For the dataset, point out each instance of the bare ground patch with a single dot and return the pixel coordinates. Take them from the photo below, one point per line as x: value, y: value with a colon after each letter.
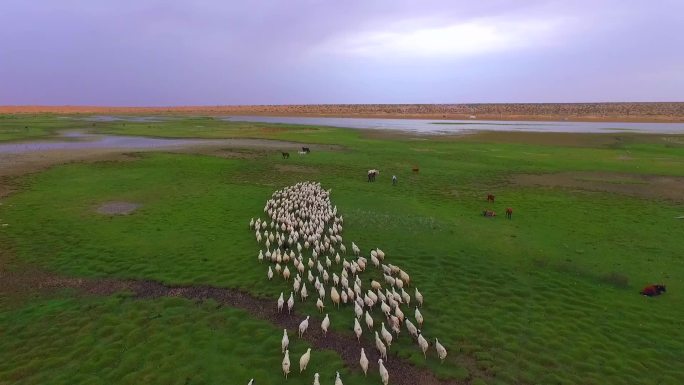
x: 642, y: 186
x: 117, y: 208
x: 296, y: 169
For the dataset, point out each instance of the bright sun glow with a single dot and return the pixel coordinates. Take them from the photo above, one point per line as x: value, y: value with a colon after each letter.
x: 463, y: 39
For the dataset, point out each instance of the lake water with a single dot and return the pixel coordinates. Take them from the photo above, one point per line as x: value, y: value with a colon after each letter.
x: 460, y: 126
x: 78, y: 140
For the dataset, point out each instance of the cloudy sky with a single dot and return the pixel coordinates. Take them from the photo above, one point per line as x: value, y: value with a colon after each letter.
x: 166, y: 52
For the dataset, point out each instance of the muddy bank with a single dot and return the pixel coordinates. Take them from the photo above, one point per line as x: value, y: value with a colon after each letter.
x: 642, y: 186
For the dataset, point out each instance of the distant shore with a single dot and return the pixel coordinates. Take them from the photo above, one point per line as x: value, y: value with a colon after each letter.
x: 658, y: 112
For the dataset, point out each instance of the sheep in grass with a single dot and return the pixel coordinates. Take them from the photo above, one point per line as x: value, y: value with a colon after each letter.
x: 369, y: 321
x: 384, y: 374
x: 419, y: 297
x: 357, y: 330
x: 419, y: 318
x: 325, y: 324
x: 304, y: 293
x: 303, y: 326
x: 286, y: 363
x: 335, y: 296
x: 338, y: 380
x: 358, y: 310
x: 319, y: 305
x: 290, y: 303
x: 423, y: 344
x: 285, y: 342
x: 364, y: 362
x: 413, y: 331
x: 304, y: 360
x: 281, y: 302
x: 316, y: 379
x: 386, y: 335
x: 441, y: 351
x: 380, y: 346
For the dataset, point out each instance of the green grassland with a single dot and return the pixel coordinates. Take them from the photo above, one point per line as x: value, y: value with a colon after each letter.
x: 550, y: 297
x: 119, y: 340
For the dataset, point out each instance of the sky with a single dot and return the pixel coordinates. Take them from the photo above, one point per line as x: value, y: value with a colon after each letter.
x: 220, y: 52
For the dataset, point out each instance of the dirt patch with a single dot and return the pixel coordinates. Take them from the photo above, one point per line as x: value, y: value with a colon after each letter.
x: 642, y: 186
x: 117, y: 208
x: 567, y: 139
x: 296, y: 169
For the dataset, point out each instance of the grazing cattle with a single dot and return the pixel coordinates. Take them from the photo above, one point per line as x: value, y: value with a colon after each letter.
x: 306, y: 149
x: 509, y: 213
x: 653, y: 290
x: 490, y: 198
x: 286, y: 155
x: 372, y: 174
x: 488, y: 213
x: 394, y: 180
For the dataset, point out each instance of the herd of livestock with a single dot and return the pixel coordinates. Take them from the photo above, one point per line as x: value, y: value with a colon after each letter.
x: 301, y: 240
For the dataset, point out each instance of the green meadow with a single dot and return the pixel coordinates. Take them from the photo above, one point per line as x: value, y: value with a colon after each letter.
x: 549, y: 297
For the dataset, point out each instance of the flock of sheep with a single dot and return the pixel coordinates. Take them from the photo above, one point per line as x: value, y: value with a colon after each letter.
x: 302, y: 227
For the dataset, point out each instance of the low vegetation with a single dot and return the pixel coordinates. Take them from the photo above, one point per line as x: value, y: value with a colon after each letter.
x: 550, y: 296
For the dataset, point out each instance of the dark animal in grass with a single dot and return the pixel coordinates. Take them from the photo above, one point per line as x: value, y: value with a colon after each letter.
x: 653, y: 290
x: 286, y: 155
x: 509, y: 213
x: 488, y: 213
x: 490, y: 198
x: 372, y: 174
x: 306, y: 149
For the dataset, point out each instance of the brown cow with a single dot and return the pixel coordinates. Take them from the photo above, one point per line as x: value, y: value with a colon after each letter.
x: 509, y: 213
x: 490, y: 198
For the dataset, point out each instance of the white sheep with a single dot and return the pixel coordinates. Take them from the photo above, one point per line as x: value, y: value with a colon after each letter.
x: 358, y: 311
x: 419, y: 297
x: 380, y: 346
x: 319, y: 305
x: 369, y: 321
x: 441, y: 351
x: 325, y: 324
x: 285, y: 342
x: 316, y: 379
x: 303, y: 326
x: 304, y: 360
x: 384, y: 374
x: 422, y: 342
x: 281, y: 302
x: 413, y: 331
x: 387, y: 336
x: 290, y: 303
x: 335, y: 296
x: 286, y: 363
x: 357, y: 329
x: 364, y: 362
x: 303, y: 292
x: 338, y: 380
x: 269, y: 274
x: 419, y: 318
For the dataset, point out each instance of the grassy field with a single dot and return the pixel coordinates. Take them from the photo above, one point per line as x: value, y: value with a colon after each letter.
x: 118, y: 340
x: 550, y: 297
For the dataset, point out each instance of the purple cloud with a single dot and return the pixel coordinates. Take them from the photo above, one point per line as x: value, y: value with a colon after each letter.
x: 155, y: 52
